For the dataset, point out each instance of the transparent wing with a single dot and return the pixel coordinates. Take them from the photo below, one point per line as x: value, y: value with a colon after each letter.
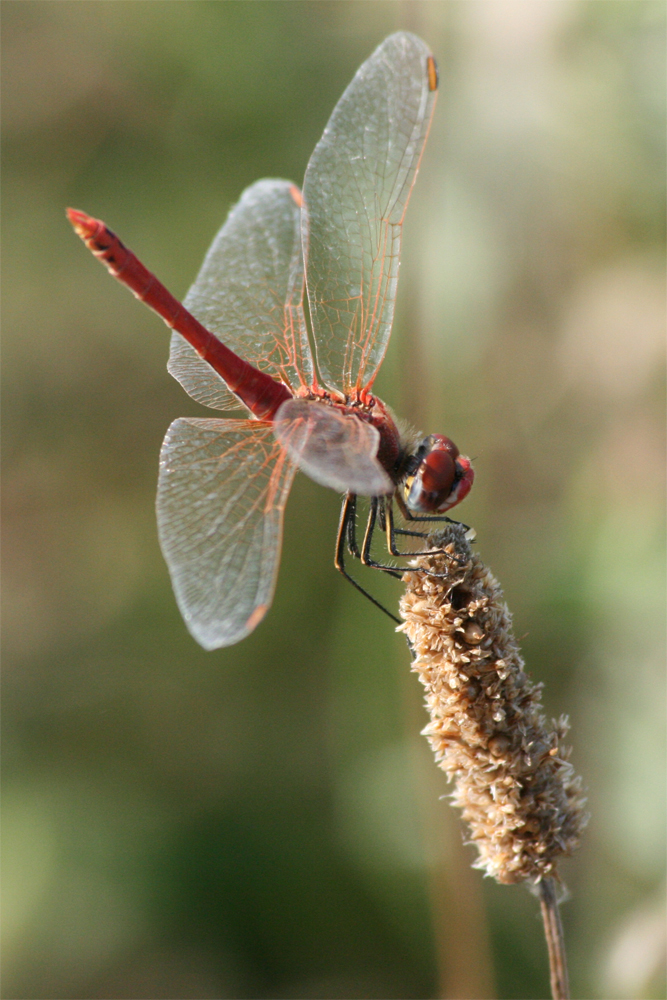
x: 222, y: 490
x: 249, y: 293
x: 335, y: 449
x: 356, y: 190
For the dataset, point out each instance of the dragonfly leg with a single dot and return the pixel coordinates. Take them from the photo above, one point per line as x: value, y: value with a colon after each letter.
x: 351, y: 532
x: 386, y: 520
x: 423, y: 518
x: 381, y: 510
x: 345, y: 535
x: 411, y: 534
x: 391, y: 531
x: 437, y: 518
x: 376, y: 512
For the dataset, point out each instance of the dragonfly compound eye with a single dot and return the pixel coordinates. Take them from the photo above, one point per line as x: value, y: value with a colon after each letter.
x: 443, y: 478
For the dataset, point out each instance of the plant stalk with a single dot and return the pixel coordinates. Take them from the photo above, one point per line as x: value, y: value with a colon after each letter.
x: 553, y: 932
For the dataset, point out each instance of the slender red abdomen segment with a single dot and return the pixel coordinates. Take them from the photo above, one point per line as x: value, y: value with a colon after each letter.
x: 262, y: 394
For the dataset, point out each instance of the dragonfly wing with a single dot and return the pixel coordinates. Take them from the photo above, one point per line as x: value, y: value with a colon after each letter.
x: 356, y: 191
x: 249, y: 293
x: 335, y: 449
x: 222, y: 490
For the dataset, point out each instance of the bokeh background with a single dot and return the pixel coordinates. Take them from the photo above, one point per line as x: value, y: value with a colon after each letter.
x: 266, y: 820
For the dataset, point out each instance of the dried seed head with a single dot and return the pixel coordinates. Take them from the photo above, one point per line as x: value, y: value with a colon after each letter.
x: 512, y: 778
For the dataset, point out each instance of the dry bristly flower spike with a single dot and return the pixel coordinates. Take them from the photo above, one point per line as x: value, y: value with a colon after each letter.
x: 511, y: 772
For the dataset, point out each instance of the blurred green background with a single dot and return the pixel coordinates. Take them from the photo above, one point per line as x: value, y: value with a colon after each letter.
x: 266, y: 821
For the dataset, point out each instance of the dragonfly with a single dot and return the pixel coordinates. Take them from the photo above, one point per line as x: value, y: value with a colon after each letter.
x: 240, y: 340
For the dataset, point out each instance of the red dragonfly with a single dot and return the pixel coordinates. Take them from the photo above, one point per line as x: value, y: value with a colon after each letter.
x: 240, y: 338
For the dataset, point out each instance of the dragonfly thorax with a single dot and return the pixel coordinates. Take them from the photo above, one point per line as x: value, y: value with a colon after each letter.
x: 436, y: 476
x: 364, y: 406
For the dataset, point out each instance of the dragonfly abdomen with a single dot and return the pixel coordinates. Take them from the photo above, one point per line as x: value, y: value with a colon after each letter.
x: 261, y: 393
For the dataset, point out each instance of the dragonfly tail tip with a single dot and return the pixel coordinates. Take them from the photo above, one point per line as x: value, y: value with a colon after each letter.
x: 84, y: 225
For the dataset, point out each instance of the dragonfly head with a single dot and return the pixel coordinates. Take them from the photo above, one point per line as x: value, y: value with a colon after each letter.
x: 437, y: 477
